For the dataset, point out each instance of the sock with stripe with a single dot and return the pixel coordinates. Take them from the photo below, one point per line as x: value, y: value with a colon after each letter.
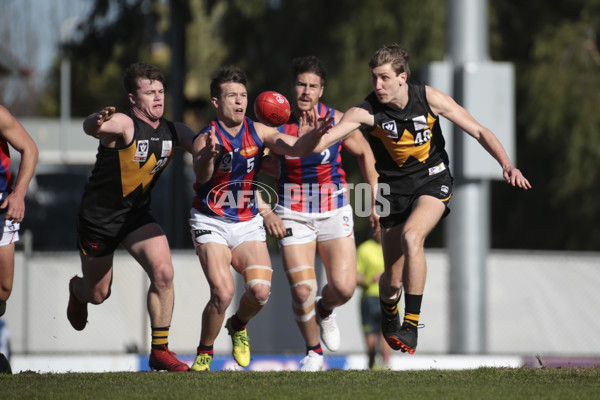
x: 323, y: 313
x: 202, y: 349
x: 390, y: 310
x: 237, y: 324
x: 160, y: 337
x: 317, y: 349
x: 412, y: 310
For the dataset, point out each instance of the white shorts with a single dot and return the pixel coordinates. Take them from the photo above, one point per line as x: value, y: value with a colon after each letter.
x: 304, y: 228
x: 10, y: 231
x: 210, y: 229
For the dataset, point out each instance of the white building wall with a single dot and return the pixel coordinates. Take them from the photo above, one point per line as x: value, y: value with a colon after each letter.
x: 537, y: 303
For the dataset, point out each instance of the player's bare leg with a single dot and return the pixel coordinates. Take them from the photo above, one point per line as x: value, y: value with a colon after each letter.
x: 405, y: 266
x: 150, y: 248
x: 251, y: 259
x: 7, y: 271
x: 215, y: 260
x: 339, y: 259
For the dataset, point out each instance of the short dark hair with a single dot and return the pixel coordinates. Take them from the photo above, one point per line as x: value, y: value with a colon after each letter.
x: 224, y: 75
x: 308, y: 64
x: 393, y: 54
x: 141, y: 70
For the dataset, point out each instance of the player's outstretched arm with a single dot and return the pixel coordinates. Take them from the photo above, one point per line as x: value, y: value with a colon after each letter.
x: 185, y: 136
x: 295, y: 146
x: 351, y: 120
x: 445, y: 105
x: 108, y: 126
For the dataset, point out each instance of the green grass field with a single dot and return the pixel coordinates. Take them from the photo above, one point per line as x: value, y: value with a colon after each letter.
x: 483, y: 383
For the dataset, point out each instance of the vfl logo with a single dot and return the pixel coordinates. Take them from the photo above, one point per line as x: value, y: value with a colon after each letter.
x: 390, y: 129
x: 226, y: 163
x: 141, y: 153
x: 239, y: 195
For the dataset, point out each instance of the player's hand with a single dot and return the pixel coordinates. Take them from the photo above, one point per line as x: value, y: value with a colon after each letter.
x: 105, y: 114
x: 323, y: 124
x: 374, y: 221
x: 310, y: 121
x: 212, y: 143
x: 15, y: 208
x: 274, y: 225
x: 514, y: 177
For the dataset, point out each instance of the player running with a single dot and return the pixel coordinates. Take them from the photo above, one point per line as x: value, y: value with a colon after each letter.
x: 134, y: 149
x: 314, y: 214
x: 225, y: 224
x: 402, y: 118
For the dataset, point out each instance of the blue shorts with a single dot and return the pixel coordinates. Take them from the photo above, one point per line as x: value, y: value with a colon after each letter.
x: 370, y: 311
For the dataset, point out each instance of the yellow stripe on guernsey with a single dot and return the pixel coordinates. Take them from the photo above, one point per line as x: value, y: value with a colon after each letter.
x: 404, y: 148
x: 133, y: 174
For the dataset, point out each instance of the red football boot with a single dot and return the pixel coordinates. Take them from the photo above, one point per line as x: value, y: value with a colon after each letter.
x: 165, y: 360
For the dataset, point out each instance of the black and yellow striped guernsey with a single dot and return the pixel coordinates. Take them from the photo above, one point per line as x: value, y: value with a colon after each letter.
x: 122, y: 178
x: 408, y: 144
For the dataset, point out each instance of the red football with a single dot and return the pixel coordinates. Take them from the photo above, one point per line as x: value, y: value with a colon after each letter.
x: 272, y: 108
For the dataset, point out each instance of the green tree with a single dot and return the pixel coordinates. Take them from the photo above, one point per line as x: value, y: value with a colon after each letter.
x: 556, y: 53
x: 115, y: 34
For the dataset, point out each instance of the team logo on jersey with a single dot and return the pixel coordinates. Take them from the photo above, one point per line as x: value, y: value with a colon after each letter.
x: 390, y: 129
x: 141, y: 153
x: 226, y: 163
x: 248, y: 152
x: 167, y: 146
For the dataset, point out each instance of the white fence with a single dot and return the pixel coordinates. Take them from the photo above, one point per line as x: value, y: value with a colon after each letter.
x: 537, y: 303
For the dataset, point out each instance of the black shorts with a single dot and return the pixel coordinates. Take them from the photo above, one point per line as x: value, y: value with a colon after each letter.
x: 400, y: 205
x: 95, y: 240
x: 370, y: 311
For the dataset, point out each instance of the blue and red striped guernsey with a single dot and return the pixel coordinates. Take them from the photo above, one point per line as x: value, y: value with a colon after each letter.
x: 315, y: 183
x: 5, y: 175
x: 230, y: 191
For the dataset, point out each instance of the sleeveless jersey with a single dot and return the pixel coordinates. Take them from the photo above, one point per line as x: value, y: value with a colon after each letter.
x: 122, y: 178
x: 314, y: 183
x: 5, y: 175
x: 230, y: 191
x: 408, y: 144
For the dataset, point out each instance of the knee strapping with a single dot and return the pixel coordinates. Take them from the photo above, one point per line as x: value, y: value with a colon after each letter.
x: 257, y: 274
x: 304, y: 275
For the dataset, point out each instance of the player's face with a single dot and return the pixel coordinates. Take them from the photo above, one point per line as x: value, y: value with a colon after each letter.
x: 231, y: 105
x: 307, y: 91
x: 149, y: 99
x: 386, y: 83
